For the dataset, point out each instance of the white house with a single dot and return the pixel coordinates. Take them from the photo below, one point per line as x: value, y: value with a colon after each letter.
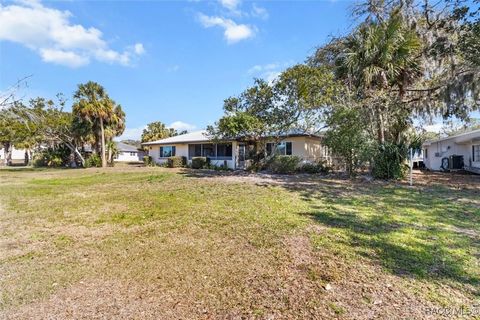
x: 18, y: 155
x: 447, y: 153
x: 128, y: 153
x: 232, y: 154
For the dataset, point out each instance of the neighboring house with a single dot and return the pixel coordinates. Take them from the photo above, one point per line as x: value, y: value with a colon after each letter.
x: 233, y: 154
x: 448, y: 153
x: 418, y: 159
x: 128, y: 153
x: 18, y: 155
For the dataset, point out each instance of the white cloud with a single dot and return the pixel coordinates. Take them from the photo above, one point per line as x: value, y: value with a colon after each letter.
x: 436, y: 127
x: 230, y: 4
x: 50, y: 33
x: 233, y: 32
x: 132, y: 133
x: 263, y: 68
x: 173, y: 68
x: 180, y: 125
x: 68, y: 58
x: 139, y: 49
x: 259, y: 12
x: 270, y: 71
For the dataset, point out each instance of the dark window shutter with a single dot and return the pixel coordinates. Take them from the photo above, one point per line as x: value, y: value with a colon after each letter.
x: 289, y: 149
x: 161, y: 152
x: 173, y: 151
x: 473, y: 153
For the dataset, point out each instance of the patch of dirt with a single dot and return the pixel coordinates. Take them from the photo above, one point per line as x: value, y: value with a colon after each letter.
x: 358, y: 291
x: 106, y: 299
x: 455, y: 180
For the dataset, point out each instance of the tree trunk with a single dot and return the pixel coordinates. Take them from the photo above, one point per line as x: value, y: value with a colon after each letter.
x: 27, y: 156
x: 110, y: 155
x: 8, y: 153
x: 381, y: 128
x: 4, y: 158
x: 104, y: 160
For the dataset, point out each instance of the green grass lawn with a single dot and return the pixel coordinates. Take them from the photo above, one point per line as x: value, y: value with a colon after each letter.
x: 156, y: 243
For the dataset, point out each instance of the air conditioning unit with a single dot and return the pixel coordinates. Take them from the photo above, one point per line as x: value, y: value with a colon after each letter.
x: 456, y: 162
x: 438, y: 154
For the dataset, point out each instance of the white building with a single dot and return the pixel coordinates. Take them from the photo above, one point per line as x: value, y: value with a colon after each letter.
x: 18, y: 155
x: 233, y: 154
x: 438, y: 154
x: 128, y: 153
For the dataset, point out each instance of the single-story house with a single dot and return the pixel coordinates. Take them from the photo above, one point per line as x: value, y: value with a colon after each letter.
x: 128, y: 153
x: 233, y: 154
x: 17, y: 155
x: 461, y: 151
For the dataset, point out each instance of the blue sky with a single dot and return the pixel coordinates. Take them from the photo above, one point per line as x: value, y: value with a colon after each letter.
x: 172, y: 61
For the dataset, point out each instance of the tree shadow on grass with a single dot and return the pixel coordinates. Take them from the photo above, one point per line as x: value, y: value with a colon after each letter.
x: 424, y: 232
x: 410, y: 233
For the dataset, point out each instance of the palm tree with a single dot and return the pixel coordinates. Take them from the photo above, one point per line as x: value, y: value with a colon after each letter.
x: 114, y: 128
x: 93, y: 105
x: 380, y: 58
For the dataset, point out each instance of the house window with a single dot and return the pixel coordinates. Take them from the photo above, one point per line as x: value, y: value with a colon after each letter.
x: 221, y: 151
x: 133, y: 154
x: 282, y: 148
x: 194, y: 150
x: 208, y: 150
x: 167, y: 151
x: 224, y: 151
x: 476, y: 153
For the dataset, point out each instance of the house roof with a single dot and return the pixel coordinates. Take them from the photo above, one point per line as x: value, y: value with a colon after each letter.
x: 196, y: 136
x: 126, y: 147
x: 462, y: 137
x: 201, y: 136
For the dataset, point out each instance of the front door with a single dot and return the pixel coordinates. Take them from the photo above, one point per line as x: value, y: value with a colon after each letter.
x: 241, y: 156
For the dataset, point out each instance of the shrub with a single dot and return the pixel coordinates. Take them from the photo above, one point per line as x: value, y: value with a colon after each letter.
x: 389, y: 161
x: 199, y: 162
x: 314, y: 167
x: 148, y: 161
x: 55, y: 162
x: 222, y: 167
x: 255, y: 167
x: 39, y: 161
x: 348, y: 138
x: 93, y: 161
x: 50, y: 157
x: 176, y: 161
x: 284, y: 164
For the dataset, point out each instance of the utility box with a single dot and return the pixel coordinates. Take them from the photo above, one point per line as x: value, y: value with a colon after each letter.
x: 456, y: 162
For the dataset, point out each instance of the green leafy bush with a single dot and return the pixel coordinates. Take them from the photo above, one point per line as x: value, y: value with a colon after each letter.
x: 50, y: 157
x: 284, y: 164
x: 314, y: 167
x: 93, y: 161
x: 347, y: 137
x: 199, y: 162
x: 222, y: 167
x: 39, y: 161
x: 148, y: 161
x: 176, y: 162
x: 389, y: 161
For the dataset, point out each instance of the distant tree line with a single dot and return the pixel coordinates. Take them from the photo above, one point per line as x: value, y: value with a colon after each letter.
x: 61, y: 137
